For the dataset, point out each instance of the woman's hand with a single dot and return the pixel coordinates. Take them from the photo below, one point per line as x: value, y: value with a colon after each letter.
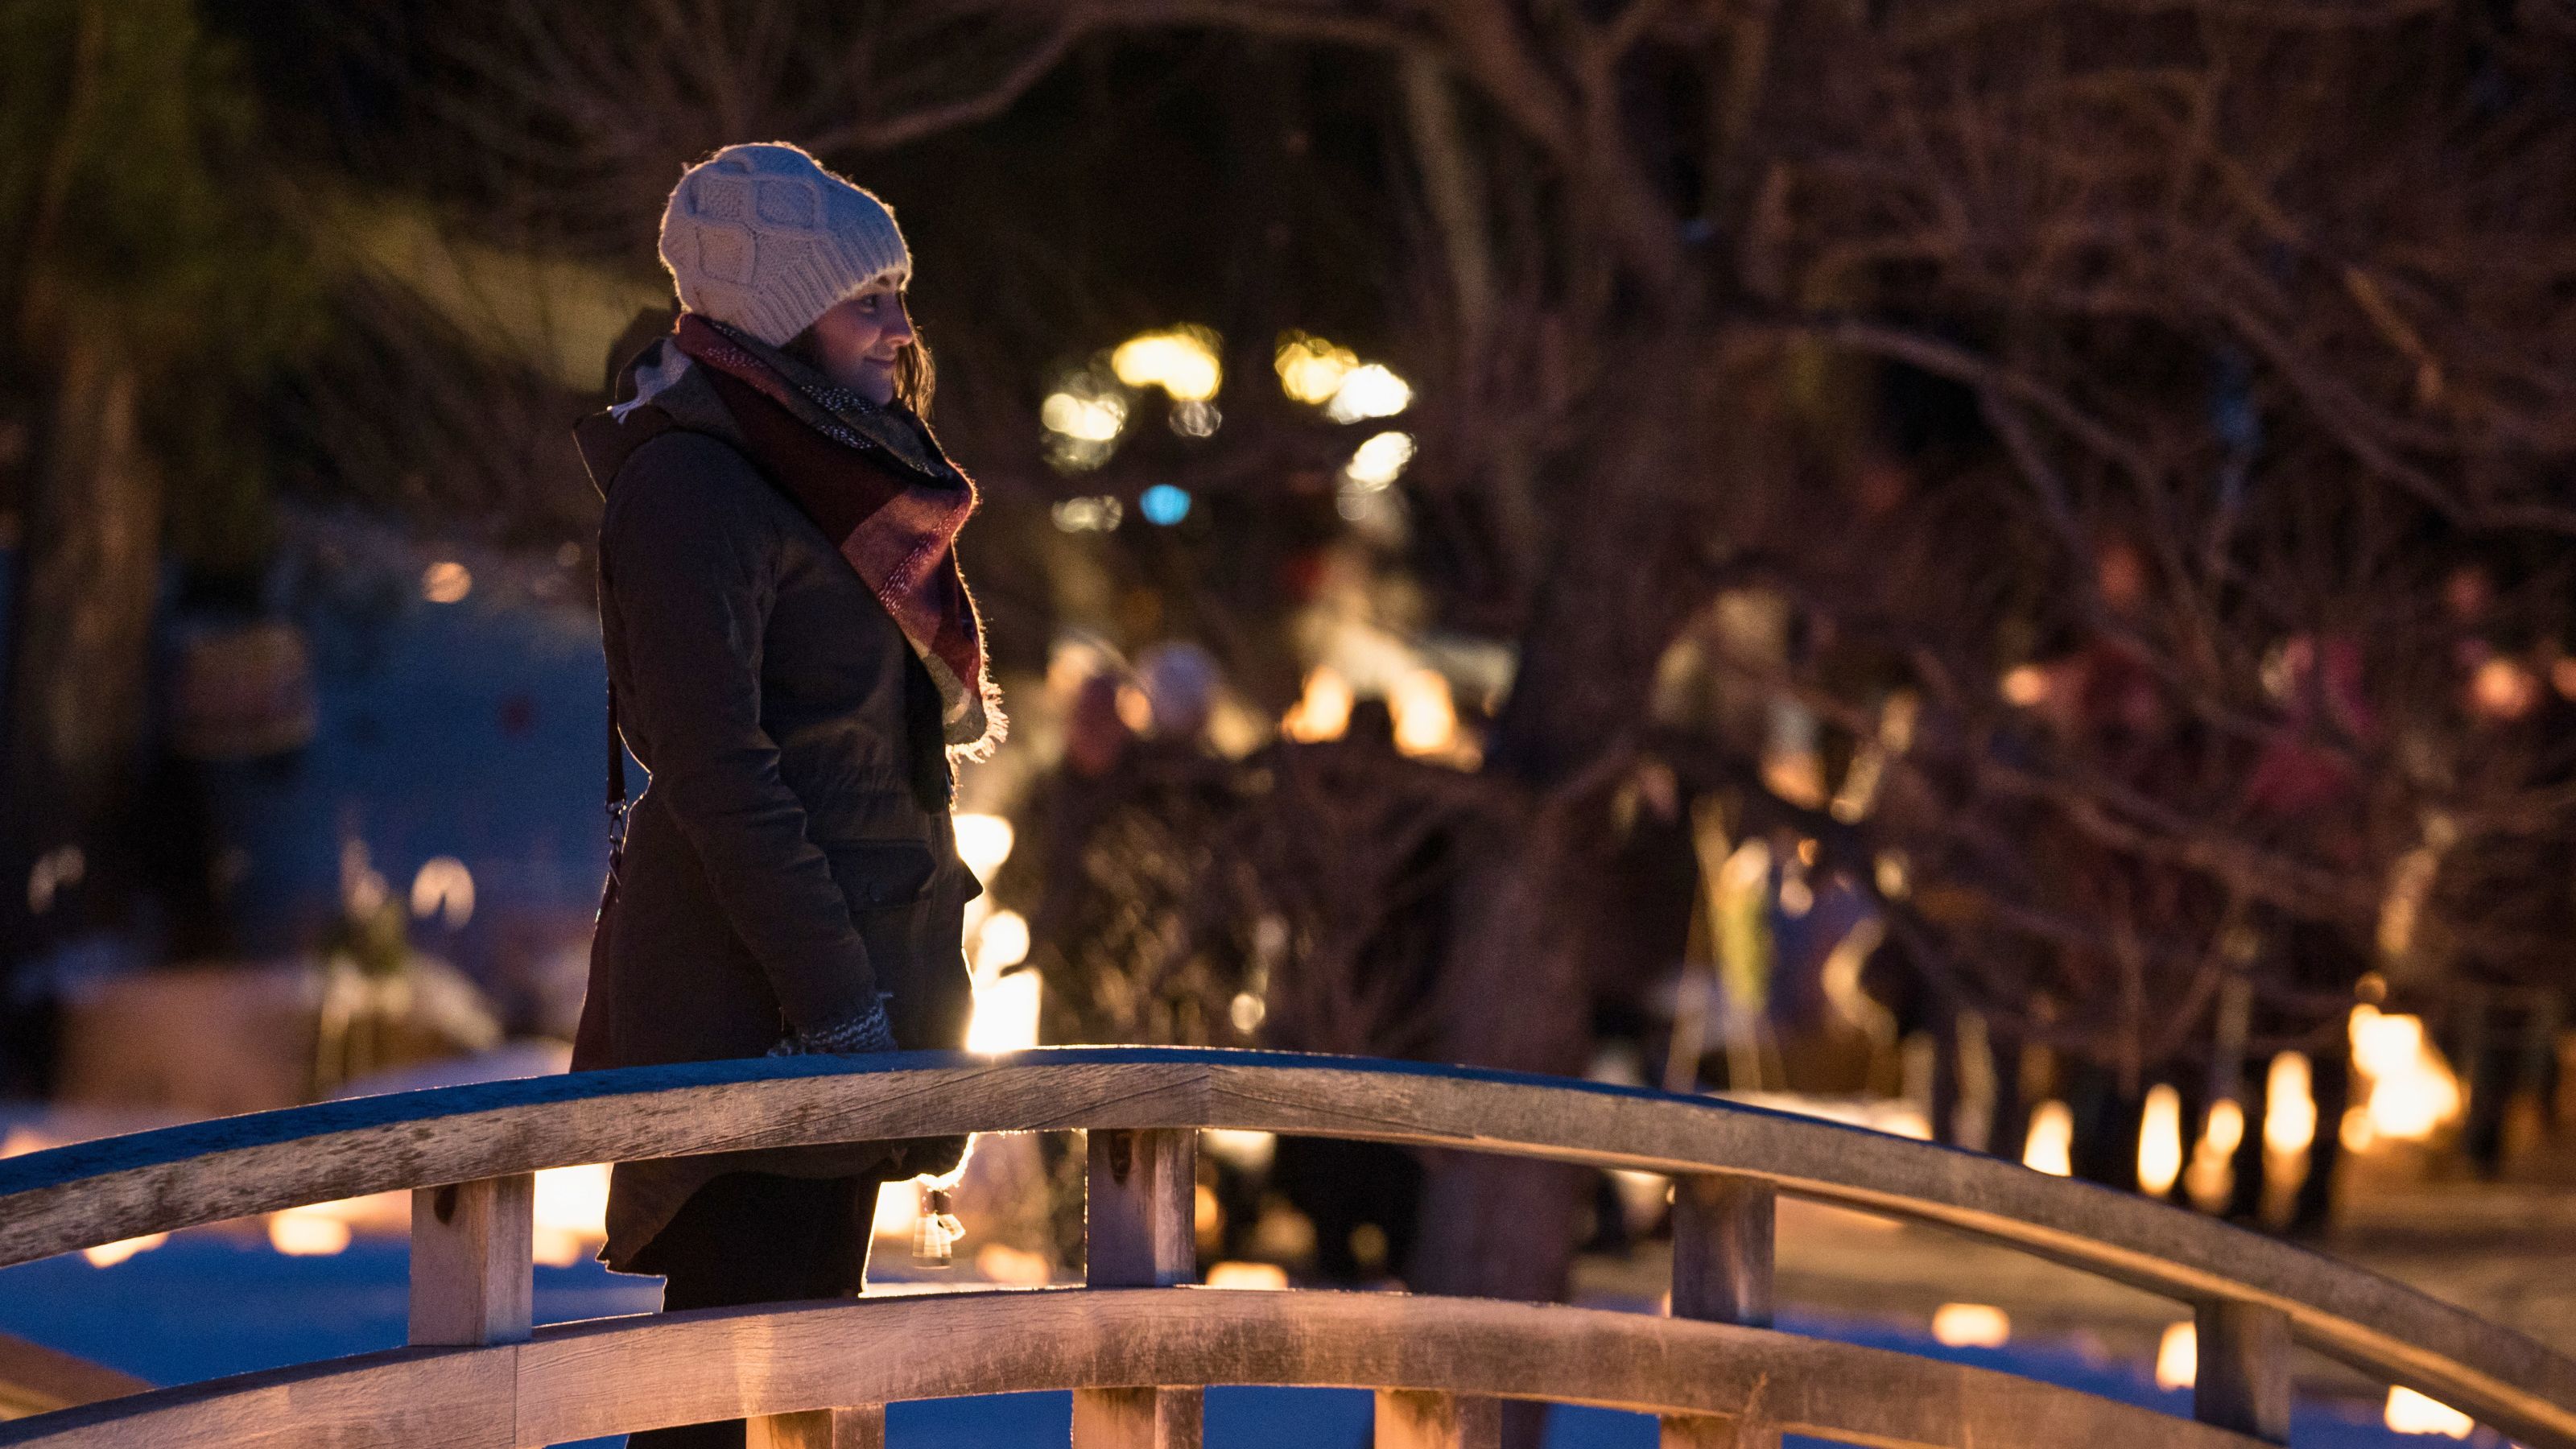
x: 871, y: 1031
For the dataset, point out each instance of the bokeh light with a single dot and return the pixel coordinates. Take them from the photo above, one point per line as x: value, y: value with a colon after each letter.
x: 1371, y: 390
x: 1311, y: 369
x: 2050, y: 1146
x: 1379, y: 461
x: 1183, y: 361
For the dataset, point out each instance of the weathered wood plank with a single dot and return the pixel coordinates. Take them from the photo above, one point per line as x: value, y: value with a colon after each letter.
x: 35, y: 1379
x: 1428, y: 1419
x: 2243, y: 1382
x: 610, y: 1376
x: 414, y: 1398
x: 101, y: 1191
x: 862, y: 1427
x: 614, y: 1375
x: 472, y: 1273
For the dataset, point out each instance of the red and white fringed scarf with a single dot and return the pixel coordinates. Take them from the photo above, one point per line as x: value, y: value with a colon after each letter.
x: 889, y: 500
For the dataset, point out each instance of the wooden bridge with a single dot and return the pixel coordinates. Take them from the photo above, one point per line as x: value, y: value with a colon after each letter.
x: 1136, y: 1344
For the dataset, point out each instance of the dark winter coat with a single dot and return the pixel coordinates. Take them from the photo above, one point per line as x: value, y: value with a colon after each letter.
x: 792, y: 856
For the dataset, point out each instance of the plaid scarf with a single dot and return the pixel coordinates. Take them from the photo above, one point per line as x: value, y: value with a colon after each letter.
x: 877, y: 484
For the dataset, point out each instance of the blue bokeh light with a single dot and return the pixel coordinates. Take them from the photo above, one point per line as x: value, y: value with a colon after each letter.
x: 1164, y: 504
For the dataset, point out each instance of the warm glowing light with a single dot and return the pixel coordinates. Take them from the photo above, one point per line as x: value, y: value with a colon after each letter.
x: 445, y: 582
x: 1135, y: 708
x: 1426, y: 722
x: 1182, y: 362
x: 1888, y: 870
x: 1310, y: 369
x: 2225, y: 1130
x: 2024, y: 685
x: 2160, y: 1140
x: 2503, y: 689
x: 108, y: 1255
x: 2050, y: 1146
x: 1002, y: 1263
x: 1240, y: 1147
x: 1323, y: 712
x: 443, y: 888
x: 2356, y: 1133
x: 1971, y: 1325
x: 1083, y: 419
x: 1006, y: 1014
x: 308, y: 1232
x: 571, y: 1213
x: 2412, y: 1092
x: 1247, y: 1012
x: 1264, y: 1276
x: 2383, y: 1045
x: 2178, y: 1356
x: 2289, y: 1111
x: 898, y: 1209
x: 2211, y: 1177
x: 1001, y: 943
x: 2412, y: 1413
x: 1379, y: 461
x: 984, y: 842
x: 1371, y: 390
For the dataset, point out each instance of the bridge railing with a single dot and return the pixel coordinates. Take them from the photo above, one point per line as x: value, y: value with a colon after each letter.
x: 1134, y: 1343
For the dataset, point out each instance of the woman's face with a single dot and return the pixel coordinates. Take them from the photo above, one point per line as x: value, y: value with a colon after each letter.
x: 858, y: 341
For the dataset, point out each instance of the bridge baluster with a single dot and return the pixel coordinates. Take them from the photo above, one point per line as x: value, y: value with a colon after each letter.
x: 472, y: 1273
x: 2244, y: 1377
x: 857, y: 1428
x: 1411, y: 1420
x: 1140, y: 1231
x: 1722, y: 1249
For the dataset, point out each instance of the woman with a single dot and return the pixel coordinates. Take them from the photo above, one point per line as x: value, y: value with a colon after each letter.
x: 793, y: 656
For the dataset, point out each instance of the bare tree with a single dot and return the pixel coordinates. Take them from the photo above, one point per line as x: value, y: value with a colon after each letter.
x: 2155, y: 411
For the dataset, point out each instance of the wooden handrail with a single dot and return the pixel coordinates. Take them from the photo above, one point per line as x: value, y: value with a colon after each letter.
x: 618, y: 1375
x: 77, y: 1196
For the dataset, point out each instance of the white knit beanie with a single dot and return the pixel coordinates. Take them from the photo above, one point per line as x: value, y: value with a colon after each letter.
x: 761, y: 237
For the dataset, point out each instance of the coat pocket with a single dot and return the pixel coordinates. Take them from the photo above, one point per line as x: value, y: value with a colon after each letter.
x: 910, y: 913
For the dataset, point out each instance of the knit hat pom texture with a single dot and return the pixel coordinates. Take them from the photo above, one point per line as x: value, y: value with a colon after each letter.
x: 763, y: 238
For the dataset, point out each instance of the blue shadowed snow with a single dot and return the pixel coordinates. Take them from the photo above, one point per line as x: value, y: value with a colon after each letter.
x: 470, y: 729
x: 207, y: 1304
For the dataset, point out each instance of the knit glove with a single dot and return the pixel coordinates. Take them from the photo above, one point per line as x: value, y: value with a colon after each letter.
x: 870, y: 1031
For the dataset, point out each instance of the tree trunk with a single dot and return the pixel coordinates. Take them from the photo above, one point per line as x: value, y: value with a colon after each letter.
x: 1537, y: 929
x: 80, y: 659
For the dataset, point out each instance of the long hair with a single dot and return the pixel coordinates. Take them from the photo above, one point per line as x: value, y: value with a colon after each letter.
x: 915, y: 375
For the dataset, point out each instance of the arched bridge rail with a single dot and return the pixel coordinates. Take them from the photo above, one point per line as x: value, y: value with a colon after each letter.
x: 819, y: 1373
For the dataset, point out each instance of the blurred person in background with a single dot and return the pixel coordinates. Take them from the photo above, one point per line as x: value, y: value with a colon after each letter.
x: 793, y: 655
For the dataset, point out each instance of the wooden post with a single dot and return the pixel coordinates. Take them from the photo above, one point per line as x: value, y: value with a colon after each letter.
x: 862, y: 1427
x: 2244, y: 1379
x: 1722, y: 1250
x: 1140, y: 1231
x: 1407, y: 1419
x: 1139, y: 1220
x: 472, y: 1276
x: 1167, y: 1418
